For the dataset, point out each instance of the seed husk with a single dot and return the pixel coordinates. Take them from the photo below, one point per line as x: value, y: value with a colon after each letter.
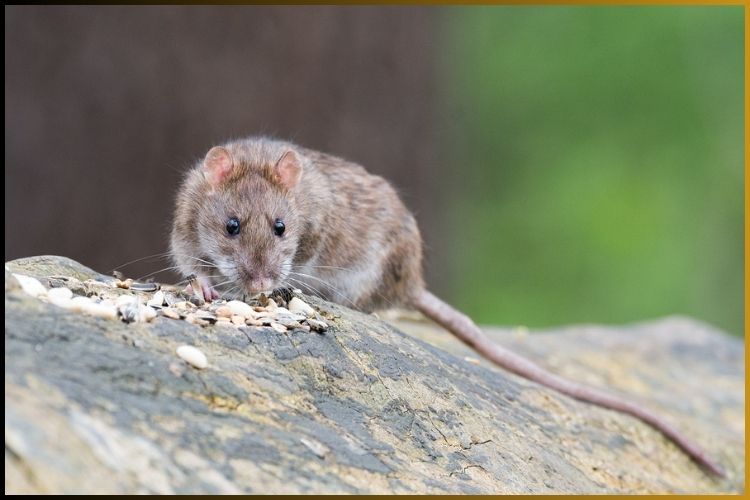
x: 316, y: 325
x: 278, y: 327
x: 144, y: 287
x: 170, y: 313
x: 206, y: 316
x: 132, y: 312
x: 157, y: 300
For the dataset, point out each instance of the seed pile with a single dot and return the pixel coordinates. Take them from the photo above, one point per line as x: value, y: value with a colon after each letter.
x: 116, y: 300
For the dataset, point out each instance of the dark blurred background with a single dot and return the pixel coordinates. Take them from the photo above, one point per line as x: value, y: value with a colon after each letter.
x: 566, y: 164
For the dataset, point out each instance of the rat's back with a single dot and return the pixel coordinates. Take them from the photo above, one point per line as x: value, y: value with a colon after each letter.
x: 361, y: 239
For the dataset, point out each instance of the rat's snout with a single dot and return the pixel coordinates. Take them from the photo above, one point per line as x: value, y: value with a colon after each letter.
x: 255, y: 281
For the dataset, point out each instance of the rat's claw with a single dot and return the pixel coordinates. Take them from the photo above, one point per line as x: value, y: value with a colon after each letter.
x: 208, y: 292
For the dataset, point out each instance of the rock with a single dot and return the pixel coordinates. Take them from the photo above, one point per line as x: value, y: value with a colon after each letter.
x: 316, y: 447
x: 100, y: 406
x: 45, y: 266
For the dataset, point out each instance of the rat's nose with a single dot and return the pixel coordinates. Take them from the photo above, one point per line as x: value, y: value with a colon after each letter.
x: 255, y: 282
x: 257, y: 285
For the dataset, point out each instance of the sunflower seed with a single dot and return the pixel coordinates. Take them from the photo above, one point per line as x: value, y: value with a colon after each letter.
x: 299, y: 306
x: 77, y: 303
x: 206, y: 316
x: 60, y: 297
x: 170, y: 299
x: 123, y: 283
x: 157, y: 300
x: 224, y: 312
x: 193, y: 356
x: 144, y: 287
x: 318, y: 326
x: 100, y: 309
x: 124, y: 300
x: 30, y: 285
x: 240, y: 309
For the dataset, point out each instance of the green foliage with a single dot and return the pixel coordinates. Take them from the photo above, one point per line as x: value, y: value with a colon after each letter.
x: 600, y: 151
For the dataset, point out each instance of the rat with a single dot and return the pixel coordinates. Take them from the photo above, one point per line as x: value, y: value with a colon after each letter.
x: 259, y: 214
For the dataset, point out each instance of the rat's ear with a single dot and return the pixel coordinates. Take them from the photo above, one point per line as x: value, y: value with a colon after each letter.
x: 288, y: 170
x: 217, y: 165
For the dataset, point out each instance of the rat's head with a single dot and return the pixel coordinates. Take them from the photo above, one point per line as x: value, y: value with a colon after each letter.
x: 247, y: 223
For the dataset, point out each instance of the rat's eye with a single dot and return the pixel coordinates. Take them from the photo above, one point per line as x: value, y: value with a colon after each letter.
x: 233, y: 226
x: 278, y: 227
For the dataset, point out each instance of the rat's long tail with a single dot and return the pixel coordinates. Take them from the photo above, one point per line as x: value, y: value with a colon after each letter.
x: 464, y: 328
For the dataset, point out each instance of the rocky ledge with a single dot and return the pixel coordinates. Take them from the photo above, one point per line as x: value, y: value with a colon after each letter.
x: 95, y: 404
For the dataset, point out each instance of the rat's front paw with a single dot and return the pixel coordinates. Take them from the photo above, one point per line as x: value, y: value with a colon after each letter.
x: 207, y: 291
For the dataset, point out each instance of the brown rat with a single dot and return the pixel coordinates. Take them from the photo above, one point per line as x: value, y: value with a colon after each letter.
x: 258, y: 214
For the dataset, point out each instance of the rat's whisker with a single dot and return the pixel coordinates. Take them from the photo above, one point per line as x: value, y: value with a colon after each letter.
x: 204, y: 261
x: 224, y: 283
x: 154, y: 256
x: 321, y: 267
x: 330, y: 286
x: 169, y: 268
x: 187, y: 281
x: 231, y: 292
x: 309, y: 289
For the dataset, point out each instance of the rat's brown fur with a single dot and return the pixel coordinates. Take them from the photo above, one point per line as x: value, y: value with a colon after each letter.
x: 345, y: 227
x: 349, y: 239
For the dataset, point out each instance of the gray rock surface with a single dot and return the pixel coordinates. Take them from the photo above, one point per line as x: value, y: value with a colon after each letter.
x: 99, y: 406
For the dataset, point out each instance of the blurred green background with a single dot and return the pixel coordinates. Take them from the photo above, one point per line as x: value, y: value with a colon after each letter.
x: 597, y: 173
